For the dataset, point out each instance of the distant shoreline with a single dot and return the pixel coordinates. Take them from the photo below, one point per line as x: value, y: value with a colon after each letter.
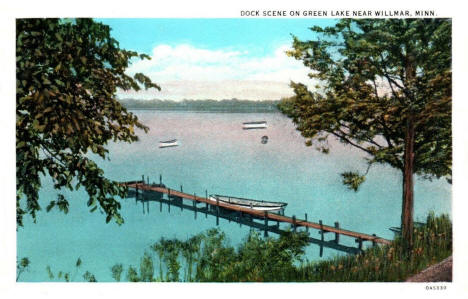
x: 223, y: 106
x: 202, y: 111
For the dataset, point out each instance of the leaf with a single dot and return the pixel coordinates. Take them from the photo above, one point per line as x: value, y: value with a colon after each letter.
x: 59, y: 82
x: 62, y: 203
x: 78, y: 262
x: 89, y: 277
x: 58, y: 36
x: 353, y: 180
x: 50, y: 206
x: 50, y: 273
x: 24, y: 262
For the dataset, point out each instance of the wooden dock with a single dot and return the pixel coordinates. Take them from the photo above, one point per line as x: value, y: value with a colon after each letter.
x: 140, y: 186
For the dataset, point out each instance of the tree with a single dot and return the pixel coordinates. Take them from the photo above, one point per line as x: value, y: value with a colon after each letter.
x: 68, y: 72
x: 384, y: 88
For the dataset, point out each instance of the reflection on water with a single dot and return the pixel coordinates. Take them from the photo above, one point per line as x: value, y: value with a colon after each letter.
x: 259, y: 223
x: 215, y: 155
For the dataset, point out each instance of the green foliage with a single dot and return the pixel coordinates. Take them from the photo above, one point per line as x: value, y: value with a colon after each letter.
x: 433, y: 243
x: 353, y: 180
x: 256, y: 259
x: 67, y: 277
x: 190, y: 250
x: 282, y: 259
x: 50, y: 273
x: 22, y: 266
x: 261, y: 259
x: 61, y: 203
x: 169, y: 251
x: 146, y: 268
x: 117, y: 270
x: 132, y: 274
x: 374, y: 74
x: 89, y: 277
x: 67, y: 74
x: 78, y: 262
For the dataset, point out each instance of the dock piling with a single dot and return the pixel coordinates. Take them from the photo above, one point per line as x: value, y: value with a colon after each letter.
x: 136, y: 193
x: 373, y: 241
x: 294, y: 222
x: 307, y: 228
x: 359, y: 241
x: 169, y: 199
x: 217, y: 211
x: 194, y: 204
x: 322, y: 236
x: 321, y: 232
x: 337, y: 235
x: 265, y: 234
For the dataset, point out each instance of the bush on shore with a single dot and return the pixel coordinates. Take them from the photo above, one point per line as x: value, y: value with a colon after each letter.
x: 208, y: 257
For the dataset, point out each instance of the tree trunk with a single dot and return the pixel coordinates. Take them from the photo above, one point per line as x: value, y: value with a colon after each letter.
x: 407, y: 209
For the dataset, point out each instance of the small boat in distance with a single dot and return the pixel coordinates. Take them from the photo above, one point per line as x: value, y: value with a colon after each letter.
x: 258, y: 205
x: 168, y: 143
x: 254, y: 125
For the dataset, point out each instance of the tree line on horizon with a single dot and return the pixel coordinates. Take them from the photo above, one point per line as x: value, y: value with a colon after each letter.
x: 225, y: 105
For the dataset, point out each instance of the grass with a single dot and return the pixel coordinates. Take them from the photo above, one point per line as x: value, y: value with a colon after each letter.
x: 391, y: 263
x: 259, y: 259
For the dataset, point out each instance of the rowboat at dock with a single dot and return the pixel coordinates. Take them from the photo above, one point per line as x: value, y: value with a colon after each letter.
x: 254, y: 125
x: 258, y: 205
x: 168, y: 143
x: 229, y: 209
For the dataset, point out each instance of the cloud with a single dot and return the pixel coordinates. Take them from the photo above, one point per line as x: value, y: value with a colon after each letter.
x: 188, y: 72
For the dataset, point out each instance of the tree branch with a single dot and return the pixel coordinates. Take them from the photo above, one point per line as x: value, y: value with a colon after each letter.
x: 350, y: 142
x: 369, y: 139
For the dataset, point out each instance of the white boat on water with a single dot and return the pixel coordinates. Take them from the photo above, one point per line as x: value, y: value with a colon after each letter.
x: 254, y: 125
x: 259, y: 205
x: 168, y: 143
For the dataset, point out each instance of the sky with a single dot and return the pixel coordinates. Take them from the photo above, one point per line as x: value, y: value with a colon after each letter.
x: 215, y: 58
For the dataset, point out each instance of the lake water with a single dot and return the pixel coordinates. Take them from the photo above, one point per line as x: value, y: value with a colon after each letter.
x: 215, y: 154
